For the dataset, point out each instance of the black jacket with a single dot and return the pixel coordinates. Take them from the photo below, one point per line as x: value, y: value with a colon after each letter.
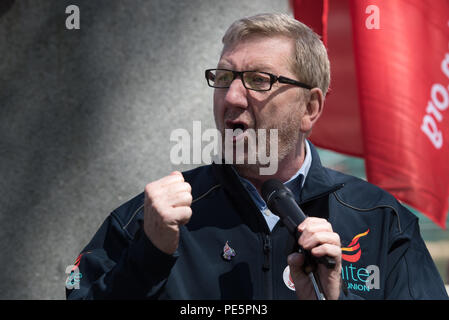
x: 375, y: 230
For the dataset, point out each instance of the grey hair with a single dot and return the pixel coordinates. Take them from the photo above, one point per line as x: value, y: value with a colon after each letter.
x: 310, y: 63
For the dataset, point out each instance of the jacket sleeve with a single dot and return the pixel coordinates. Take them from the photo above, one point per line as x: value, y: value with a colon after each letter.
x: 115, y: 265
x: 411, y: 272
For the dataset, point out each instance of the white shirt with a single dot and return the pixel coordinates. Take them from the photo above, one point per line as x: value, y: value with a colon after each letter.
x: 295, y: 184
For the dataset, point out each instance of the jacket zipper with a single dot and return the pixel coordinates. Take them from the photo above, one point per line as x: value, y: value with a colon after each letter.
x: 268, y: 276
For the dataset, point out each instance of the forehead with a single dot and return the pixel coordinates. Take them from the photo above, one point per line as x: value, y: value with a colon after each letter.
x: 272, y: 53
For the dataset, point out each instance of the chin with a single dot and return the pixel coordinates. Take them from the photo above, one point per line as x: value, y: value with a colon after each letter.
x: 248, y: 170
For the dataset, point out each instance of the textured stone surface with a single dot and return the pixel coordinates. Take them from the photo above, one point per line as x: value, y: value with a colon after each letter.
x: 86, y: 116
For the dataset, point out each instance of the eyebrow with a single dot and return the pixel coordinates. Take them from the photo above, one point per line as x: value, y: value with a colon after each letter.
x: 253, y: 67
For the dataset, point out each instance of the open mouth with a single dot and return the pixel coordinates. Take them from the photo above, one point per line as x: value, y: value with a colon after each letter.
x: 240, y: 126
x: 234, y: 125
x: 238, y: 129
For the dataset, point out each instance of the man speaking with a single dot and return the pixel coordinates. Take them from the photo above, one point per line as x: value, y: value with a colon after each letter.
x: 209, y: 234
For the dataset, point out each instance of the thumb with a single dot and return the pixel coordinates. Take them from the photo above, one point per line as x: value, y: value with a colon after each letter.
x: 296, y: 262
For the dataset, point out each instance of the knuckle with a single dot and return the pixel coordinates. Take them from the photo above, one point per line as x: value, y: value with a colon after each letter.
x: 186, y: 215
x: 177, y: 177
x: 148, y: 188
x: 300, y: 240
x: 151, y: 189
x: 337, y: 239
x: 187, y: 197
x: 314, y: 238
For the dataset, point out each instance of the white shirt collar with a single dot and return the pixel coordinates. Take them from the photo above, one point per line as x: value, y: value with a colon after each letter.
x: 304, y: 170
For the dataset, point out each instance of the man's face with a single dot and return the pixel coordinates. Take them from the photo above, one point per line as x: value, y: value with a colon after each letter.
x: 280, y: 108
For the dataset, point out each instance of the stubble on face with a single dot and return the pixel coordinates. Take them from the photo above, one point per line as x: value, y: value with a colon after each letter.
x: 281, y: 108
x: 289, y: 138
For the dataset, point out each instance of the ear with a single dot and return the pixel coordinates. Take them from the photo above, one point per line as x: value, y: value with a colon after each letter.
x: 314, y: 107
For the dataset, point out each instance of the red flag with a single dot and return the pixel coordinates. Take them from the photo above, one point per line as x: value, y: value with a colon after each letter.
x: 401, y: 59
x: 339, y: 126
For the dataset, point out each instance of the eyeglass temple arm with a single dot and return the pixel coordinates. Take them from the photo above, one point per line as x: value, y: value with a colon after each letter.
x: 282, y: 79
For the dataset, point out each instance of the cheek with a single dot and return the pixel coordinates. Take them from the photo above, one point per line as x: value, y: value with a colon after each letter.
x: 269, y: 115
x: 283, y: 116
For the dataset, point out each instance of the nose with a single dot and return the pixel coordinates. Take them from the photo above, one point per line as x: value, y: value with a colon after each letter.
x: 236, y: 94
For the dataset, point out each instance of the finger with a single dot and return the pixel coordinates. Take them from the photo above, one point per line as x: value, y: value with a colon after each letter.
x: 157, y: 187
x: 309, y: 241
x: 303, y: 286
x: 313, y: 224
x: 182, y: 214
x: 173, y: 177
x: 327, y: 250
x: 179, y: 187
x: 181, y: 199
x: 295, y: 262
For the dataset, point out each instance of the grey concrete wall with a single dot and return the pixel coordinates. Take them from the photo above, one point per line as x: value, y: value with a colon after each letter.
x: 86, y: 116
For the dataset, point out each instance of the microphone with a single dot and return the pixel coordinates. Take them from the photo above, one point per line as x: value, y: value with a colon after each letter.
x: 280, y: 201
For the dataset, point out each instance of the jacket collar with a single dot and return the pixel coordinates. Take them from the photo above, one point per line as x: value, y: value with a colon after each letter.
x: 318, y: 182
x: 239, y: 197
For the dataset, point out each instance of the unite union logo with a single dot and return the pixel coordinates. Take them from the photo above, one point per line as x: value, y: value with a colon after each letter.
x: 356, y: 277
x: 353, y: 252
x: 74, y: 274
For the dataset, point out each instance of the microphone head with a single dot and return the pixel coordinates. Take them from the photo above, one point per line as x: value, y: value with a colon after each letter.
x: 270, y: 187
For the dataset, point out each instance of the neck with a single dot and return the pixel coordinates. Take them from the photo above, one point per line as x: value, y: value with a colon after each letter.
x: 287, y: 167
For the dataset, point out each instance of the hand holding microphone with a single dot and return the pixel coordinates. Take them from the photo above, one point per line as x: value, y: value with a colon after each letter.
x: 322, y: 248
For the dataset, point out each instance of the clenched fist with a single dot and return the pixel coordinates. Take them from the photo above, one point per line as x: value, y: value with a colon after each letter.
x: 166, y: 207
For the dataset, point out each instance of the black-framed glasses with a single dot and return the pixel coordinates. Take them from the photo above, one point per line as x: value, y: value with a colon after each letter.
x: 252, y: 80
